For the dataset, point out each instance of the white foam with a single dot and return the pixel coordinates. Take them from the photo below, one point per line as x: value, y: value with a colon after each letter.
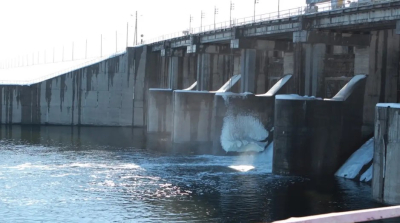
x: 243, y: 133
x: 357, y: 160
x: 227, y: 95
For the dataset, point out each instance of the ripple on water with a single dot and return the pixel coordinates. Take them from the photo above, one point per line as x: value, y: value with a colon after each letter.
x: 59, y: 183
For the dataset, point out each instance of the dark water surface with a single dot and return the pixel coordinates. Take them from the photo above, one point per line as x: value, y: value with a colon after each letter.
x: 94, y: 174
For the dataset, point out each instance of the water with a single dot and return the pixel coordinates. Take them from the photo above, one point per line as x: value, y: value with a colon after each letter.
x: 91, y: 174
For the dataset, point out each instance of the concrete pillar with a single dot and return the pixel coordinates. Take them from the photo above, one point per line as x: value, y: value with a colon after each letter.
x: 164, y: 64
x: 315, y: 137
x: 386, y: 166
x: 314, y: 66
x: 175, y: 73
x: 382, y: 83
x: 189, y: 70
x: 361, y: 60
x: 204, y: 72
x: 192, y: 117
x: 248, y: 70
x: 288, y: 63
x: 159, y: 111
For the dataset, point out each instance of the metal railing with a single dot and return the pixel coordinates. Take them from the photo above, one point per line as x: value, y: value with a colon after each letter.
x: 299, y: 11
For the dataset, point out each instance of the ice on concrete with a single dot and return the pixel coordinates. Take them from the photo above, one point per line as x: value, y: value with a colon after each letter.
x: 392, y: 105
x: 229, y: 84
x: 192, y: 87
x: 243, y: 133
x: 367, y: 175
x: 278, y: 85
x: 293, y: 97
x: 346, y: 91
x: 227, y: 95
x: 357, y: 161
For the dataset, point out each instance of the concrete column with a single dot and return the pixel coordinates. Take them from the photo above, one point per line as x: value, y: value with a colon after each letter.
x: 164, y: 72
x: 314, y: 66
x: 382, y: 84
x: 175, y: 73
x: 189, y: 70
x: 248, y: 70
x: 386, y: 166
x: 361, y: 60
x: 204, y: 72
x: 288, y: 63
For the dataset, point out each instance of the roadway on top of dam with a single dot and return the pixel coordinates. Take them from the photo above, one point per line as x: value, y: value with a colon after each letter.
x: 358, y: 18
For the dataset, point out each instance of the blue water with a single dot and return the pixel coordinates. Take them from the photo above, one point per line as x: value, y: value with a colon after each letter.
x: 88, y: 174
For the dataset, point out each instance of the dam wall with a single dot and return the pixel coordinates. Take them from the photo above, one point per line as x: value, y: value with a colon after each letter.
x: 108, y: 93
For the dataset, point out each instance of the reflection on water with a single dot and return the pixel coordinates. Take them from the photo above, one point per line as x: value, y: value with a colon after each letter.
x: 71, y: 174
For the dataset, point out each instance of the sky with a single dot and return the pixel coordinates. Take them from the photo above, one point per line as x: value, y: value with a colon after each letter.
x: 38, y: 31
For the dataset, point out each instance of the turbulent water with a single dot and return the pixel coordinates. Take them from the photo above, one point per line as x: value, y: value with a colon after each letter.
x: 65, y: 174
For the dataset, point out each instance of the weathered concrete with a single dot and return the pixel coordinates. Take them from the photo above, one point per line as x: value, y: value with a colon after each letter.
x: 248, y: 64
x: 204, y: 72
x: 314, y: 66
x: 192, y: 119
x: 382, y: 84
x: 314, y: 137
x: 109, y: 93
x: 385, y: 180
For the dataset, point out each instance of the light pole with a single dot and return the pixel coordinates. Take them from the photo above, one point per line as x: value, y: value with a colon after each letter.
x: 190, y: 23
x: 232, y: 7
x: 278, y: 8
x: 203, y: 15
x: 215, y: 15
x: 255, y: 2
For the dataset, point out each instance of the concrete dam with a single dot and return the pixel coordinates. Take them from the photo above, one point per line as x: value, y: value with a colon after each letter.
x: 306, y: 84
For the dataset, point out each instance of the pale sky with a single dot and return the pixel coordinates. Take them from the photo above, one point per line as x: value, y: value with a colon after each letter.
x: 29, y: 27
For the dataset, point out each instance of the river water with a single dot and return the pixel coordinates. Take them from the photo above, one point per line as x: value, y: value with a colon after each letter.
x: 94, y: 174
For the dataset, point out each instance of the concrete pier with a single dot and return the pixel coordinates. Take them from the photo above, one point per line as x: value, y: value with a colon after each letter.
x: 192, y: 118
x: 314, y: 136
x: 386, y: 170
x: 243, y: 122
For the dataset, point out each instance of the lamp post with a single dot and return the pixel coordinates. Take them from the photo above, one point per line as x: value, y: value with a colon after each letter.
x: 203, y: 15
x: 278, y: 8
x: 215, y: 15
x: 255, y: 2
x: 190, y: 23
x: 231, y: 8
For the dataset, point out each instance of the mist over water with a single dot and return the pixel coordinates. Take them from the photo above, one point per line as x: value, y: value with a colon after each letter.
x: 71, y: 174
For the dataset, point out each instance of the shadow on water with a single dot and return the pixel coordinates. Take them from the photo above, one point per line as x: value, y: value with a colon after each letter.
x: 112, y: 170
x: 77, y: 136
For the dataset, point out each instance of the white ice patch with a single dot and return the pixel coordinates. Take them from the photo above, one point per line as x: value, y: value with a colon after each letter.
x: 367, y: 176
x: 357, y: 160
x: 243, y: 134
x: 392, y: 105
